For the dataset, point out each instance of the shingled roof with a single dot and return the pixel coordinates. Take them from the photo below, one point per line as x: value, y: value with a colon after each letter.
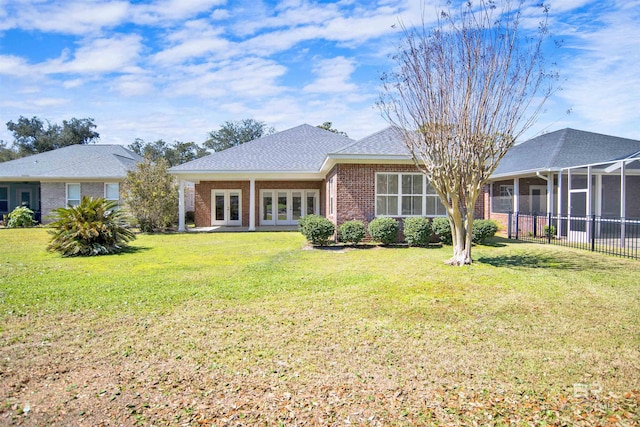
x: 299, y: 149
x: 387, y: 142
x: 564, y: 148
x: 95, y: 161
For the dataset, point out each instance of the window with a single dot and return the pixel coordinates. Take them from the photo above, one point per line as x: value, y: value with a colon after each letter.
x: 406, y: 195
x: 503, y: 199
x: 112, y: 191
x: 73, y: 194
x: 4, y: 199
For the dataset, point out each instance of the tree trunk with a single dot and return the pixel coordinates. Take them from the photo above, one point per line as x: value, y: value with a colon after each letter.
x: 461, y: 236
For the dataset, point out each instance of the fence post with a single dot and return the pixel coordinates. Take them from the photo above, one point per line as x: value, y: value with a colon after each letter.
x: 517, y: 227
x: 593, y: 233
x: 549, y: 228
x: 535, y: 224
x: 509, y: 226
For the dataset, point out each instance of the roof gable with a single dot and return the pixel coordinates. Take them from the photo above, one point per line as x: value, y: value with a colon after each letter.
x: 300, y: 149
x: 94, y: 161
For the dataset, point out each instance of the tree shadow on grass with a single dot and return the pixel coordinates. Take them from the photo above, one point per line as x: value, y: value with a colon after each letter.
x: 132, y: 250
x: 537, y: 260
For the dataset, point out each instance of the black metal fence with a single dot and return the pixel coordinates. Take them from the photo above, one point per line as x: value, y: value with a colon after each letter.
x: 612, y: 236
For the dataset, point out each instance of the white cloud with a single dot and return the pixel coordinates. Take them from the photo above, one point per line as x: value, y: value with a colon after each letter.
x: 13, y: 65
x: 116, y: 54
x: 333, y: 76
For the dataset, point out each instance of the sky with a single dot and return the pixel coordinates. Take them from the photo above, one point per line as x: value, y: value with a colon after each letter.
x: 178, y: 69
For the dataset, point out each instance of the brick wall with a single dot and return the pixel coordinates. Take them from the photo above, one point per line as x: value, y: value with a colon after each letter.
x: 202, y: 199
x: 356, y: 190
x: 52, y: 195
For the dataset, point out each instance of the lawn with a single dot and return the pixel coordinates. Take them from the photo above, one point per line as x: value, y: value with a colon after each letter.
x: 255, y: 329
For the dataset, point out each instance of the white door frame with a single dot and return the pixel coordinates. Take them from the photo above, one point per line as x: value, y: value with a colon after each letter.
x: 226, y: 194
x: 289, y: 205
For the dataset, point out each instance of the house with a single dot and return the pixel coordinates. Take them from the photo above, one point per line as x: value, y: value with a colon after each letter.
x: 61, y: 177
x: 568, y: 174
x: 276, y: 179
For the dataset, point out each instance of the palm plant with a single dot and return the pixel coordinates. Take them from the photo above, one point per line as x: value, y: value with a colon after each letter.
x: 95, y: 227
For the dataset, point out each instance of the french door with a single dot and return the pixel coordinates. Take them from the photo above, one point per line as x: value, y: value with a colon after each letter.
x: 226, y: 207
x: 286, y: 207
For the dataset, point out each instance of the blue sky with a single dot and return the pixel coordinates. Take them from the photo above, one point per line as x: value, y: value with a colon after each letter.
x: 177, y: 69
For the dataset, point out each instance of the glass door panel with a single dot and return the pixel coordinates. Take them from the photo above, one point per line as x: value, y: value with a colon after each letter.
x: 311, y: 204
x: 219, y: 207
x: 267, y: 206
x: 282, y: 207
x: 296, y: 205
x: 234, y: 206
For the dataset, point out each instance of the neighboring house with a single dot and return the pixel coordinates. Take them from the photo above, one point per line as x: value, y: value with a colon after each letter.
x: 275, y: 180
x: 61, y: 177
x: 570, y: 174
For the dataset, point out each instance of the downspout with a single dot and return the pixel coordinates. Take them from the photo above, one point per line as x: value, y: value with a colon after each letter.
x: 542, y: 176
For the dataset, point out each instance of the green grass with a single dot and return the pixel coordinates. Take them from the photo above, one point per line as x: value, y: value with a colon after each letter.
x: 269, y: 329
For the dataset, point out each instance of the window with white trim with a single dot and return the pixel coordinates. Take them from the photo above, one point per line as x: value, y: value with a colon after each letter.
x: 112, y: 191
x: 406, y: 194
x: 503, y: 199
x: 73, y: 194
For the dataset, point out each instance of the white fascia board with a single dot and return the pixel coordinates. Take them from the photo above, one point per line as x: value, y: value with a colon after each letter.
x: 197, y: 176
x: 608, y: 162
x: 520, y: 174
x: 333, y: 159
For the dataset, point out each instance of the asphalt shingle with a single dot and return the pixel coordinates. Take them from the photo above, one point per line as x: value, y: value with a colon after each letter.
x: 76, y: 161
x: 302, y: 148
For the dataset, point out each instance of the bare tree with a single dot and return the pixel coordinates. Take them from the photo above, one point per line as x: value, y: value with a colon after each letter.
x: 461, y: 94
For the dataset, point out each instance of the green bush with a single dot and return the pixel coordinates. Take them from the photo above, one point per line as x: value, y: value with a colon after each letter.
x: 190, y: 216
x: 352, y: 232
x: 483, y: 229
x: 549, y: 231
x: 316, y: 228
x: 94, y: 227
x: 442, y: 229
x: 384, y: 230
x: 21, y: 216
x: 417, y: 231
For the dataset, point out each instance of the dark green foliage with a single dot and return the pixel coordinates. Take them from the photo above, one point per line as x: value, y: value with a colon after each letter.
x: 175, y: 154
x: 483, y: 229
x: 549, y: 231
x: 94, y: 227
x: 233, y: 133
x: 442, y: 229
x: 21, y: 216
x: 32, y: 136
x: 417, y: 231
x: 316, y: 228
x: 384, y: 230
x: 352, y: 232
x: 190, y: 216
x: 151, y: 196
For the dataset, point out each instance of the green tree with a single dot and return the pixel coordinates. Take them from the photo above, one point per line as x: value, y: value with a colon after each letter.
x: 33, y: 136
x: 233, y: 133
x: 462, y: 93
x: 7, y: 153
x: 151, y: 195
x: 175, y: 154
x: 327, y: 126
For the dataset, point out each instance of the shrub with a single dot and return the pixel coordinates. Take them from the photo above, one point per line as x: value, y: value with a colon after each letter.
x: 352, y: 232
x: 483, y: 229
x: 549, y: 231
x: 384, y: 230
x: 21, y: 216
x: 417, y: 231
x: 190, y: 216
x: 151, y: 195
x: 442, y: 229
x: 316, y: 228
x: 94, y: 227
